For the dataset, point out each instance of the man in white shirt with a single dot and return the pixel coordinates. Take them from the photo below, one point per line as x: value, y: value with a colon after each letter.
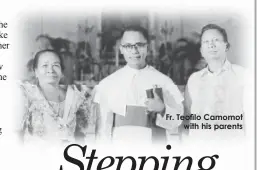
x: 126, y: 114
x: 216, y: 92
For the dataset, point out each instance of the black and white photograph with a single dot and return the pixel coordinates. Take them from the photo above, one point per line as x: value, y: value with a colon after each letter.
x: 132, y: 77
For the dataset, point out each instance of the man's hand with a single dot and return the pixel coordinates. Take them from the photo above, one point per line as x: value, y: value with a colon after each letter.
x: 155, y: 104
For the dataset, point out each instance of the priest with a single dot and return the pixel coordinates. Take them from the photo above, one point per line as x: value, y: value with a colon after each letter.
x: 133, y: 102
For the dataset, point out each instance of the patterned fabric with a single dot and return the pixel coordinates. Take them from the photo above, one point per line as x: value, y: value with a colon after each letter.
x: 223, y: 88
x: 55, y: 121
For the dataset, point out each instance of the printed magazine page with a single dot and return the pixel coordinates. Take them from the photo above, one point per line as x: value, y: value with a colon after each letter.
x: 130, y: 85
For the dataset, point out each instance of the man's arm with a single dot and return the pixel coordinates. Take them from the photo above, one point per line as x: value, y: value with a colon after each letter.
x: 187, y: 111
x: 168, y: 107
x: 169, y: 118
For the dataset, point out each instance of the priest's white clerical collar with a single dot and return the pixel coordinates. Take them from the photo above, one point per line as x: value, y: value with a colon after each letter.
x: 127, y: 67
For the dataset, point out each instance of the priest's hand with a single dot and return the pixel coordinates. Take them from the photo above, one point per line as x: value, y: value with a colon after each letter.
x: 155, y: 104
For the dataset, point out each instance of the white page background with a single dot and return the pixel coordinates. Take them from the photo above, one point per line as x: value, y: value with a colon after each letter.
x: 237, y: 155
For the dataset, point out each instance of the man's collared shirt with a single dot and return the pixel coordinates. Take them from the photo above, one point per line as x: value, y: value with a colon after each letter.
x: 219, y: 93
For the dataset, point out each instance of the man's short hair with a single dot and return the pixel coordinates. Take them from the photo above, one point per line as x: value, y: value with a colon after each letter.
x: 139, y: 29
x: 221, y: 30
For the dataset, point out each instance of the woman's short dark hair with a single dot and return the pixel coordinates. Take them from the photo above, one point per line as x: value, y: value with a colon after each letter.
x: 44, y: 36
x: 221, y: 30
x: 39, y: 53
x: 136, y: 28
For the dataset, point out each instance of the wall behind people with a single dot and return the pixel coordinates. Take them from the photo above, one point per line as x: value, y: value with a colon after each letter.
x: 167, y: 28
x: 71, y: 27
x: 29, y: 29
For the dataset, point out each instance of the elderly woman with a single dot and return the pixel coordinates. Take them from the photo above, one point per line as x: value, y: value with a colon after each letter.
x: 53, y: 112
x: 218, y: 89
